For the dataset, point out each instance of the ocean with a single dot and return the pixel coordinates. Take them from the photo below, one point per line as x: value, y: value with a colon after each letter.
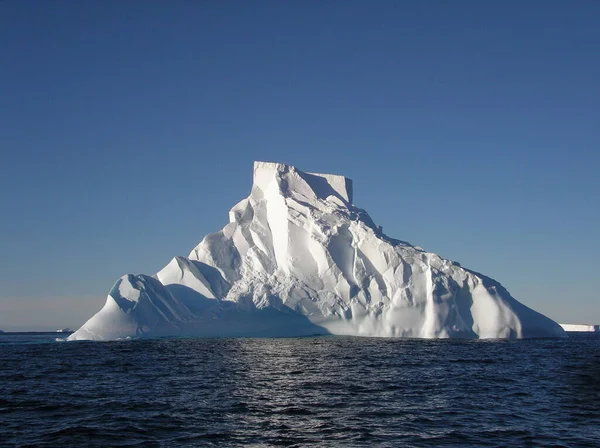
x: 322, y: 391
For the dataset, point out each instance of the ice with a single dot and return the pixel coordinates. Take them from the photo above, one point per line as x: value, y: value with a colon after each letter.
x: 298, y: 258
x: 580, y: 327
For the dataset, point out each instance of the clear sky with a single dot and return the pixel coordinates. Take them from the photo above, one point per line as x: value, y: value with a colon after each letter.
x: 128, y: 130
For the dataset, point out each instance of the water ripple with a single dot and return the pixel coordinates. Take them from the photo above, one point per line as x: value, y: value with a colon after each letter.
x: 326, y: 391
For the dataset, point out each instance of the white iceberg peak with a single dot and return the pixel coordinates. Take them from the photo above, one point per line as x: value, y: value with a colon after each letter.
x: 298, y: 258
x: 288, y: 181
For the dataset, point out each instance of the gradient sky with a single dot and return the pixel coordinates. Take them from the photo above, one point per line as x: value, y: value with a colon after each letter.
x: 128, y: 130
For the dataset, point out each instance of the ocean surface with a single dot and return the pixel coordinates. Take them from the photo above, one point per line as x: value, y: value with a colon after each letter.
x: 322, y: 391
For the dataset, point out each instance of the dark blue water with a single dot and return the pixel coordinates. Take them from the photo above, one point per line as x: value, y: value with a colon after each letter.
x: 326, y: 391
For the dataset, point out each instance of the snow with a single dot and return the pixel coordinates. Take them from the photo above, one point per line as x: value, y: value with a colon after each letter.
x: 298, y: 258
x: 579, y: 327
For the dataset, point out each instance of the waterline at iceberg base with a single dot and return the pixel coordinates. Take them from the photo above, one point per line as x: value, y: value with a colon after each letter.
x: 298, y: 258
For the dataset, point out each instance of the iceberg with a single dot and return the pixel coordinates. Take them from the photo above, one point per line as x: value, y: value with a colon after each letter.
x: 298, y: 258
x: 580, y: 328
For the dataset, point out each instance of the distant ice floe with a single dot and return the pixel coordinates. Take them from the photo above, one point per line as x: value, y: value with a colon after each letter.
x: 298, y: 258
x: 580, y: 328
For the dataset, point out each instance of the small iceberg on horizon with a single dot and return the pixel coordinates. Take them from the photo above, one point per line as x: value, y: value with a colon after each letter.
x: 579, y: 328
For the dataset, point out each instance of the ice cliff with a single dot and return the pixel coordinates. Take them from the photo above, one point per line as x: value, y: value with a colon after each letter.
x: 298, y: 258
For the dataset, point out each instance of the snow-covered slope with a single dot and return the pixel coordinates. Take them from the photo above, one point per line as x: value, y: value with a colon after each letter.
x: 297, y: 258
x: 580, y: 327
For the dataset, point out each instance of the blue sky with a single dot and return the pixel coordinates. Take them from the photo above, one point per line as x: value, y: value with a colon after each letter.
x: 128, y: 130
